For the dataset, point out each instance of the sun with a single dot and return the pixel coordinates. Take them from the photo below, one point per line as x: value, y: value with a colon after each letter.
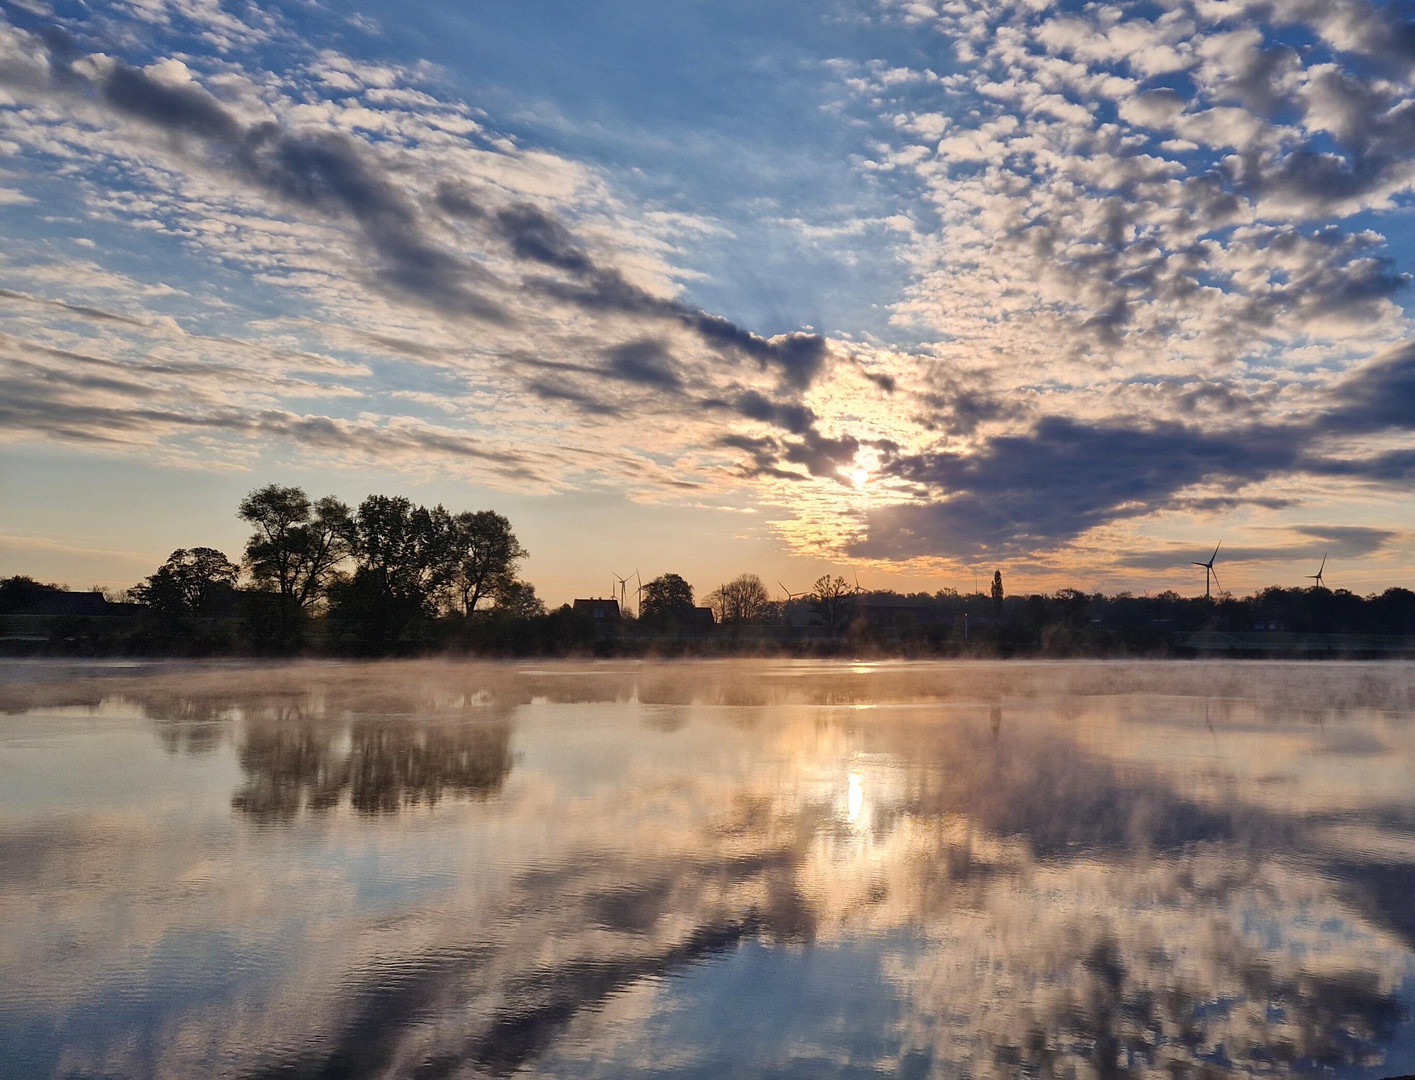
x: 860, y: 476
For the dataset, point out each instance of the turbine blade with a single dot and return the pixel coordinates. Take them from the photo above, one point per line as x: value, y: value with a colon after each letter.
x: 1215, y: 574
x: 1215, y: 554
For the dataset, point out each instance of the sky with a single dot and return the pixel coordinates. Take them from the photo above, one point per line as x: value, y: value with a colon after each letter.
x: 904, y: 291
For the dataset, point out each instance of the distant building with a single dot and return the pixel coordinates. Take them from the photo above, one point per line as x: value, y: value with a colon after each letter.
x: 599, y: 610
x: 702, y: 618
x: 54, y: 602
x: 43, y: 619
x: 889, y: 609
x: 63, y: 603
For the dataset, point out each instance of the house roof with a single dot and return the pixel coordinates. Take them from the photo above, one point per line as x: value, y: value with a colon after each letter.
x: 596, y: 608
x: 51, y: 602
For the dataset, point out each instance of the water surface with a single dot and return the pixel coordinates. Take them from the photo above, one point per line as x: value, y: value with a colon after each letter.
x: 754, y: 869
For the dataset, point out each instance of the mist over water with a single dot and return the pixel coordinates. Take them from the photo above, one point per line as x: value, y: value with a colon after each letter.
x: 776, y: 869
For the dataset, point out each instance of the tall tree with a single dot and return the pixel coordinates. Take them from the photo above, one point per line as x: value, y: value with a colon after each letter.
x: 485, y: 555
x: 297, y: 544
x: 403, y: 556
x: 666, y: 598
x: 997, y: 592
x: 273, y: 552
x: 833, y: 599
x: 190, y: 599
x: 195, y: 581
x: 329, y: 542
x: 405, y: 551
x: 744, y: 599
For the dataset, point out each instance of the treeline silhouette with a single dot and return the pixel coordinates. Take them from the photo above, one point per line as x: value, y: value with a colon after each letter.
x: 389, y: 578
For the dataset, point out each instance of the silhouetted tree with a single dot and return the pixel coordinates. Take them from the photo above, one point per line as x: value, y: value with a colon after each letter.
x: 486, y: 555
x: 189, y: 599
x: 517, y: 599
x: 1394, y: 611
x: 832, y: 598
x: 666, y: 599
x: 744, y: 599
x: 407, y: 550
x: 404, y: 557
x: 997, y: 592
x: 297, y: 544
x: 196, y: 581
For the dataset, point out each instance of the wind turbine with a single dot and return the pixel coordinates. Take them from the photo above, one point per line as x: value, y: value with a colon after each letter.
x: 789, y: 594
x: 621, y: 582
x: 1209, y: 570
x: 638, y: 593
x: 1317, y: 577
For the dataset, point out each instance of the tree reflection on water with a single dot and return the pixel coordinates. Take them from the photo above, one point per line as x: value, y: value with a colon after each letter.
x: 303, y: 751
x: 1046, y: 871
x: 381, y: 765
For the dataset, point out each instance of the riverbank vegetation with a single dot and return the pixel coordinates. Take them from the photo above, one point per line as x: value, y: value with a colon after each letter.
x: 389, y: 578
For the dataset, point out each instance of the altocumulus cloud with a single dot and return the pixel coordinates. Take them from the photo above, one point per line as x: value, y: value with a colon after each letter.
x: 474, y: 252
x: 338, y: 175
x: 1138, y: 231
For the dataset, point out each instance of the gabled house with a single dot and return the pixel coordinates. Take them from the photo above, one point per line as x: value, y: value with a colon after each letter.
x: 601, y: 611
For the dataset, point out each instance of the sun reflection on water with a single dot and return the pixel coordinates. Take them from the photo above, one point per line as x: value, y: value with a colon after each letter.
x: 511, y: 871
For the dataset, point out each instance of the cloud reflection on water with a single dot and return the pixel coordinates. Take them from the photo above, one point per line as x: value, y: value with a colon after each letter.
x: 1087, y: 870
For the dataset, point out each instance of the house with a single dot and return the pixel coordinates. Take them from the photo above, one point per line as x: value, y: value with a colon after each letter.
x: 59, y: 603
x: 601, y: 611
x: 40, y: 619
x: 65, y: 603
x: 893, y: 610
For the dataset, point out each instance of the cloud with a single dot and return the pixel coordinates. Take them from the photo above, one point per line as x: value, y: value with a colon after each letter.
x: 487, y: 290
x: 1377, y: 395
x: 1316, y: 542
x: 1160, y: 300
x: 1038, y: 490
x: 1092, y: 245
x: 799, y: 356
x: 797, y: 419
x: 343, y: 177
x: 188, y: 110
x: 1349, y: 541
x: 562, y: 391
x: 645, y: 362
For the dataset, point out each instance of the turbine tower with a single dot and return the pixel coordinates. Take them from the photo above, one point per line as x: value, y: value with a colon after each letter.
x: 1317, y: 577
x: 1209, y: 571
